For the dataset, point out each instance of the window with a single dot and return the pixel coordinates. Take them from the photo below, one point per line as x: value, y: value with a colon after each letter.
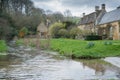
x: 111, y: 31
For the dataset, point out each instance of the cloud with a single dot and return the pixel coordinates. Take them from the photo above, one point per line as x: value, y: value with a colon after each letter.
x: 77, y: 7
x: 41, y: 0
x: 90, y: 3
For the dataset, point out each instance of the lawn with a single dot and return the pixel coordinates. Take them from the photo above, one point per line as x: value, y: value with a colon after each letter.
x: 86, y: 49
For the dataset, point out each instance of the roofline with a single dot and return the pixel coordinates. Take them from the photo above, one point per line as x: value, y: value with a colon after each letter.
x: 109, y: 22
x: 88, y: 14
x: 112, y: 10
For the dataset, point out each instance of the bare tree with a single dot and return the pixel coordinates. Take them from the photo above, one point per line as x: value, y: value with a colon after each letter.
x: 67, y: 15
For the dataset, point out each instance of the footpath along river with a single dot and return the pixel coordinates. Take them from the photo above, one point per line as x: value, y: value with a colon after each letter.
x: 41, y: 65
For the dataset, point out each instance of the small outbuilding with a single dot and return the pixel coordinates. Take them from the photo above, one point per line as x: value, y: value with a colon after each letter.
x: 42, y: 30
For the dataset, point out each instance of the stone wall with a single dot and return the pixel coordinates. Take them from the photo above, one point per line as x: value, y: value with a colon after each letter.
x: 89, y: 27
x: 111, y: 30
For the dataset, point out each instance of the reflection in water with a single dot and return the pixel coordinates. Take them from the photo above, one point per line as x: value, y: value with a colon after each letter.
x: 97, y: 65
x: 47, y: 67
x: 102, y: 68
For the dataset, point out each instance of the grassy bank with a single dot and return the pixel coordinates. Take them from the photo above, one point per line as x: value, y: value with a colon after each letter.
x: 3, y: 46
x: 43, y: 44
x: 86, y: 49
x: 79, y: 48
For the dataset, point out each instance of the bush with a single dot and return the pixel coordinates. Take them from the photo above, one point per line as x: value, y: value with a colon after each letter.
x: 7, y: 28
x: 74, y: 32
x: 55, y: 28
x: 3, y: 46
x: 93, y: 37
x: 90, y: 45
x: 23, y: 32
x: 11, y: 34
x: 63, y: 33
x: 107, y: 43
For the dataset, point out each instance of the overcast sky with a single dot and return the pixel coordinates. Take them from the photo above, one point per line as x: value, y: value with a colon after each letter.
x: 77, y: 7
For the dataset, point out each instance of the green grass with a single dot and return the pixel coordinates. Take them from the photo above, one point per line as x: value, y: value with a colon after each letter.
x: 3, y: 46
x: 79, y: 48
x: 33, y: 43
x: 20, y: 42
x: 86, y: 49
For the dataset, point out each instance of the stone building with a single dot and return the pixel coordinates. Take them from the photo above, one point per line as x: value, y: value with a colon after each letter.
x: 42, y: 30
x: 105, y: 24
x: 109, y: 25
x: 88, y: 22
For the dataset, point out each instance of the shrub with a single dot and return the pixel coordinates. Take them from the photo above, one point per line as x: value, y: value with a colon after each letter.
x: 63, y: 33
x: 54, y: 29
x: 90, y: 45
x: 11, y: 34
x: 93, y: 37
x: 7, y: 27
x: 107, y: 43
x: 74, y: 32
x: 23, y: 32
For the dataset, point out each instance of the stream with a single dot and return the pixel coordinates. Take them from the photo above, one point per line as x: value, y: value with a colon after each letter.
x: 44, y: 65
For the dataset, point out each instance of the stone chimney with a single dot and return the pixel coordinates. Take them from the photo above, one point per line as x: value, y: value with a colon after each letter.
x: 96, y: 8
x: 83, y: 14
x: 103, y: 6
x: 118, y: 7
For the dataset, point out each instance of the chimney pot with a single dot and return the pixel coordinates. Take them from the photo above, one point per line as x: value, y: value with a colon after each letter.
x: 103, y: 6
x: 118, y: 7
x: 83, y: 14
x: 96, y: 8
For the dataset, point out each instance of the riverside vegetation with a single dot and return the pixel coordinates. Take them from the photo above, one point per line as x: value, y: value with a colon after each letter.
x: 82, y: 49
x: 3, y: 46
x: 86, y: 49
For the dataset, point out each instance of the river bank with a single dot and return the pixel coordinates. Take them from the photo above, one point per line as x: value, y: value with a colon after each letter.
x: 12, y: 50
x: 86, y: 49
x: 3, y: 46
x: 26, y: 63
x: 80, y: 49
x: 3, y: 49
x: 35, y: 64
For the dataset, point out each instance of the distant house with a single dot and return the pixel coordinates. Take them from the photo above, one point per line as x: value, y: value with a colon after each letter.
x: 42, y: 30
x: 105, y: 24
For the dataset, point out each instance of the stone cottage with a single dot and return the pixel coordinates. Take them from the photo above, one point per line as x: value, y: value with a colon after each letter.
x: 42, y: 30
x: 109, y: 25
x: 105, y: 24
x: 88, y: 22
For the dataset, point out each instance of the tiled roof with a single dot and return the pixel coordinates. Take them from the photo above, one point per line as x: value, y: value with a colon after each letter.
x: 110, y: 16
x: 88, y: 18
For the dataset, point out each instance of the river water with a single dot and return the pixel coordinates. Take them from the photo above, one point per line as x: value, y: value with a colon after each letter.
x: 42, y: 65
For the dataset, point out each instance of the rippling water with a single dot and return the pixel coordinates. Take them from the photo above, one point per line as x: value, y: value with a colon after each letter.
x: 51, y: 67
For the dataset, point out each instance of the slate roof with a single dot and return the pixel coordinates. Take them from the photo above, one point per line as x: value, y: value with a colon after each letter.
x: 110, y: 16
x: 89, y: 18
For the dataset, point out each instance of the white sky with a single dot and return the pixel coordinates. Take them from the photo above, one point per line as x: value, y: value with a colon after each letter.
x: 77, y: 7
